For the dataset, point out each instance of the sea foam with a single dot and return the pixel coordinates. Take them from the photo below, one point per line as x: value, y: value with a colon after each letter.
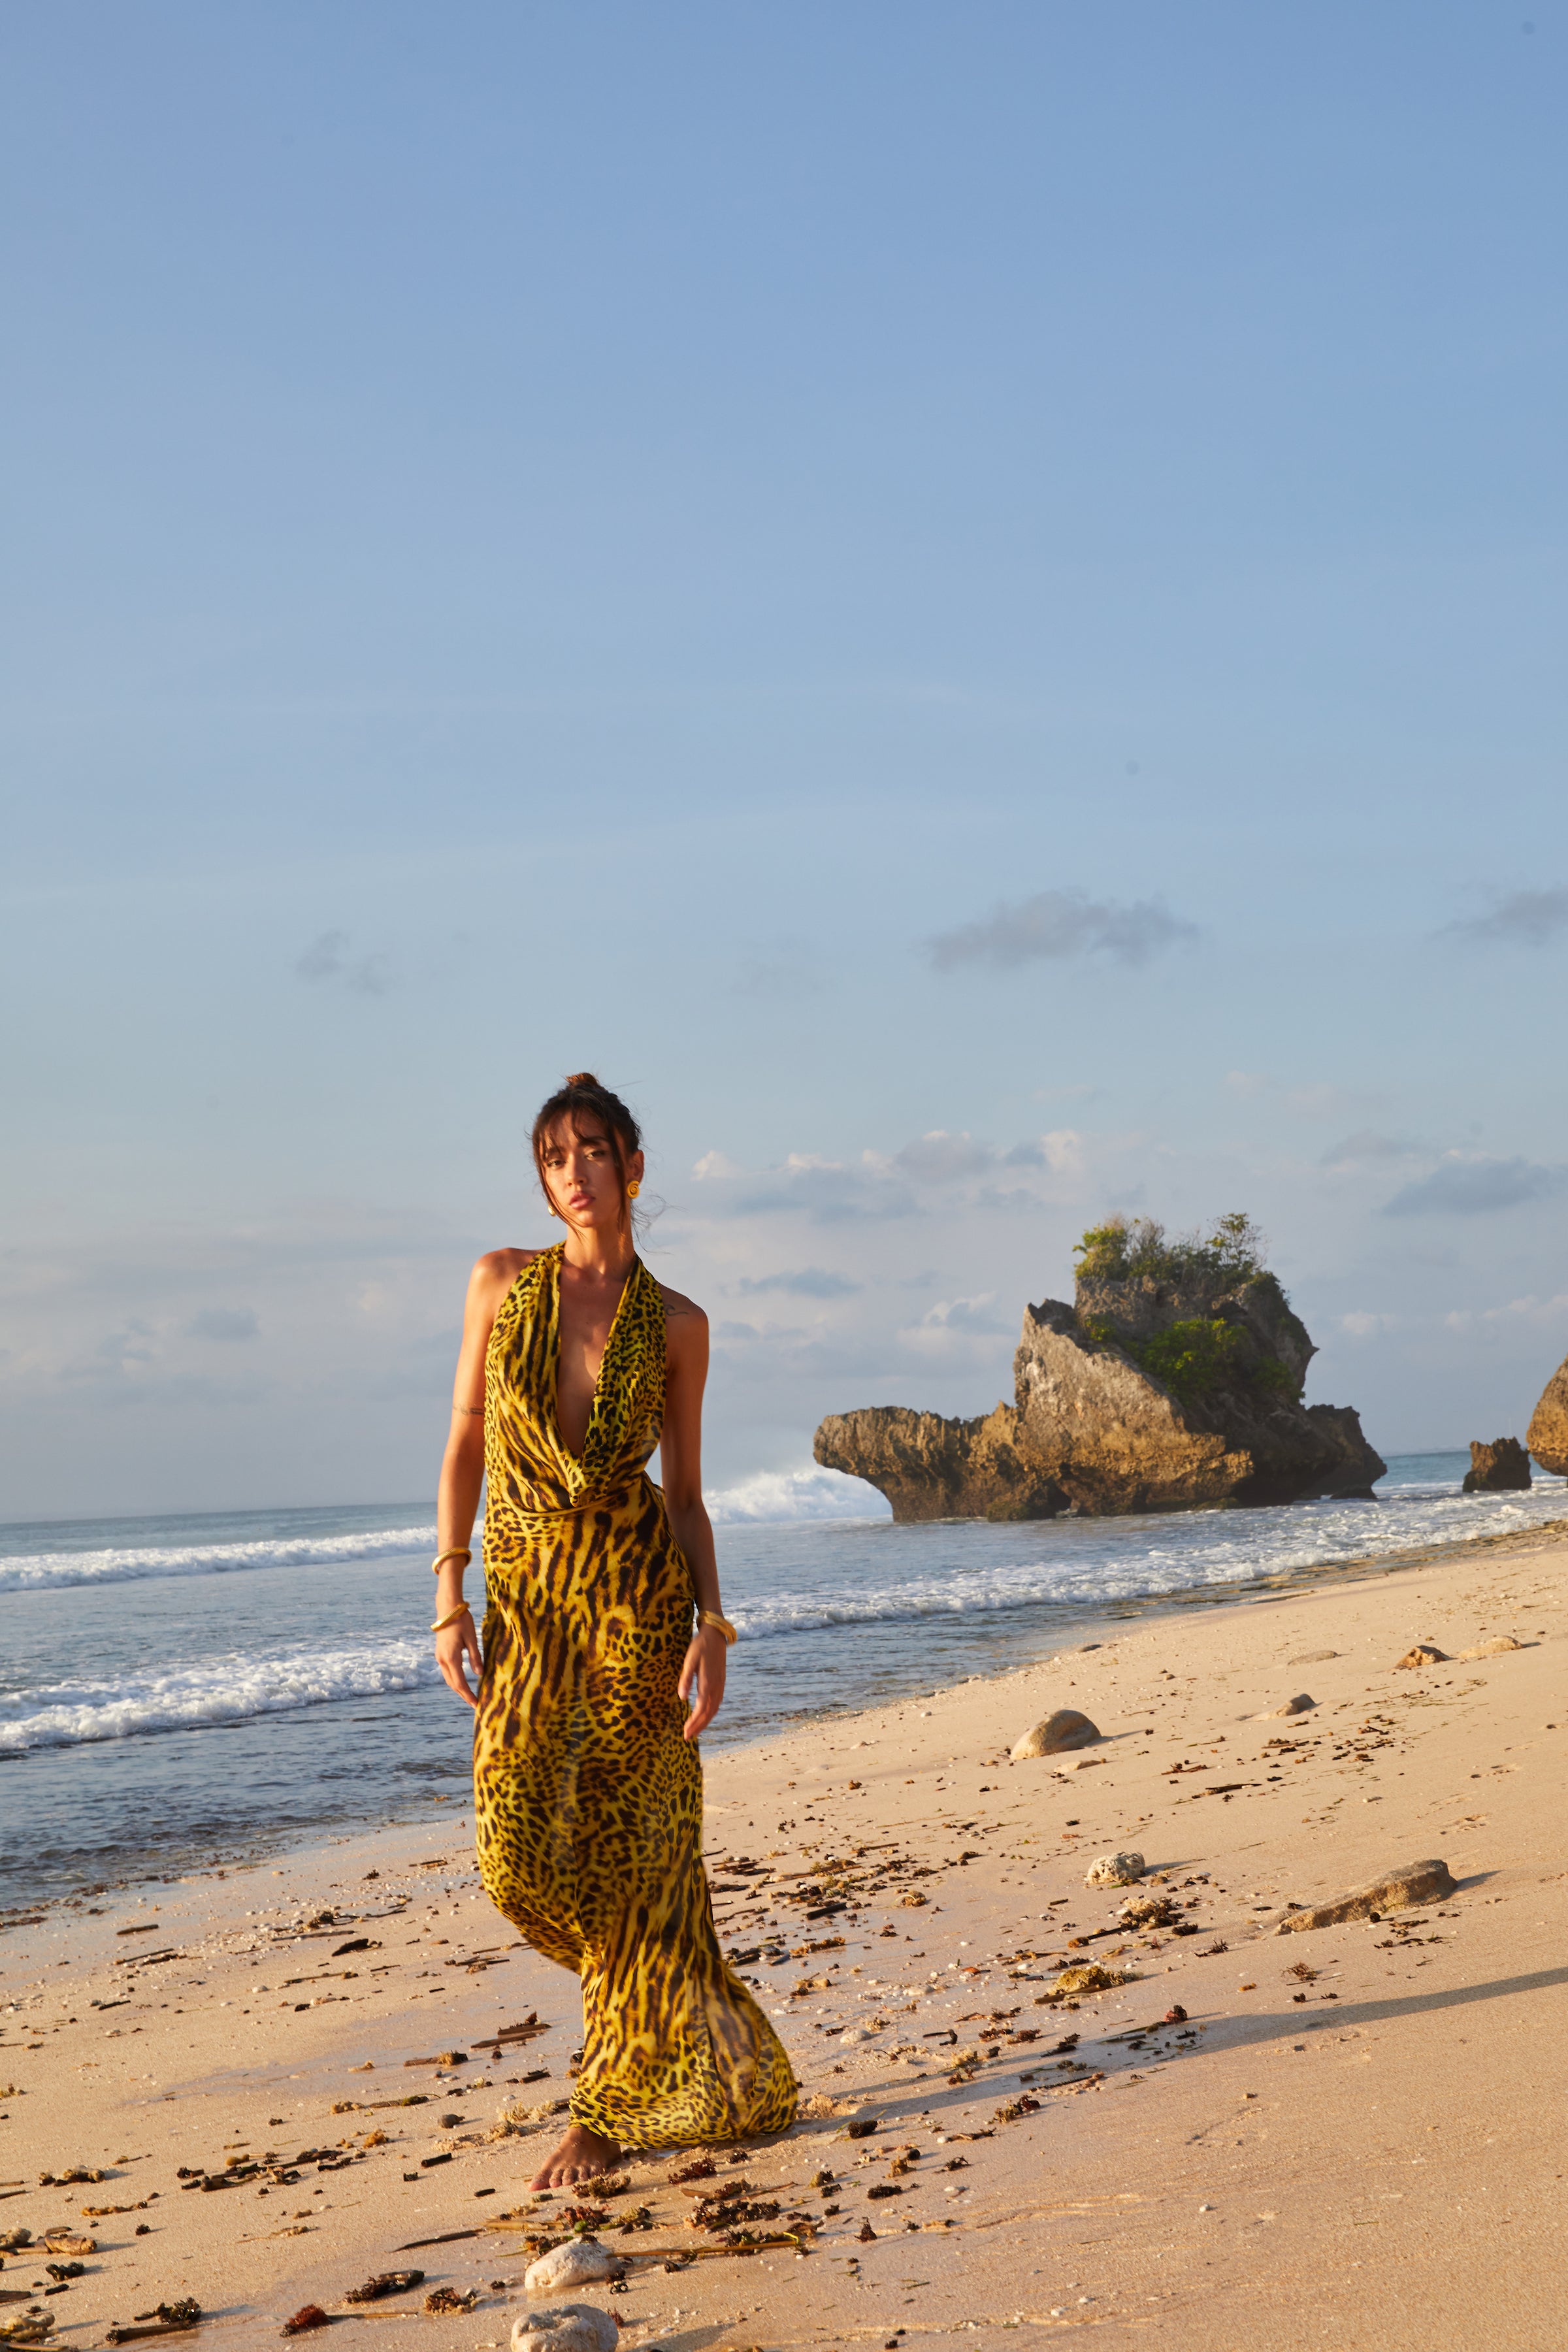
x: 32, y: 1572
x: 780, y: 1496
x: 226, y: 1690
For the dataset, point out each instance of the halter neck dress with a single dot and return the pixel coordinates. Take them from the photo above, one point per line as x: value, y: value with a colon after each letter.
x: 587, y: 1798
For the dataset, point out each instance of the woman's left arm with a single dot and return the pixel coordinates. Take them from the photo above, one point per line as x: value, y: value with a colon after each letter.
x: 680, y: 1462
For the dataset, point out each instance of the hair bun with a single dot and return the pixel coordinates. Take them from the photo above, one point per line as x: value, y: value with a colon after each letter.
x: 581, y: 1078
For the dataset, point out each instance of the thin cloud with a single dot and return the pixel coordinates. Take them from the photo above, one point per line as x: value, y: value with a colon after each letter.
x: 1056, y: 925
x: 224, y: 1323
x: 1525, y: 918
x: 327, y: 958
x: 825, y: 1190
x: 806, y: 1282
x: 1367, y: 1146
x: 940, y: 1157
x: 1478, y: 1187
x: 790, y: 970
x: 943, y: 1157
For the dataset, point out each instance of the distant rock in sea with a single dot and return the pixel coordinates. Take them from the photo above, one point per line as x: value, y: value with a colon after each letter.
x: 1547, y: 1437
x: 1174, y: 1380
x: 1498, y: 1468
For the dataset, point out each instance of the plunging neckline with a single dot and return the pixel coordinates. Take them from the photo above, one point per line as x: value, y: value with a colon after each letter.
x: 579, y: 1460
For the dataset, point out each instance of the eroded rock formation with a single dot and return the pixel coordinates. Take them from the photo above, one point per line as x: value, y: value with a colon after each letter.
x: 1149, y: 1394
x: 1498, y: 1468
x: 1547, y: 1437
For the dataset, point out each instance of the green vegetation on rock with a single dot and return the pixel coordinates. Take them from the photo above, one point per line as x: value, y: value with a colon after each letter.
x: 1191, y: 1357
x: 1124, y: 1248
x: 1196, y: 1354
x: 1204, y: 1352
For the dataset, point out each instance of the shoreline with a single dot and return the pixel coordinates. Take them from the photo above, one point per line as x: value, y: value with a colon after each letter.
x: 1326, y: 2146
x: 1040, y: 1638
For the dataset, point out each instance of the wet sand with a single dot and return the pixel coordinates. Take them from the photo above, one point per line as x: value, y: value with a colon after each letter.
x: 1368, y: 2153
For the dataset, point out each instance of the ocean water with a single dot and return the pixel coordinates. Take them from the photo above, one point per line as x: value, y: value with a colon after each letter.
x: 185, y: 1690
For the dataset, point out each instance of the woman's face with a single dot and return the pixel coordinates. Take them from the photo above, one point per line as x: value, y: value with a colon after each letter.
x: 580, y: 1174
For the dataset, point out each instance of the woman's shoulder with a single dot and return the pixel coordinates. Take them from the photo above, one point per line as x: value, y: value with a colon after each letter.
x: 680, y: 1312
x: 499, y: 1269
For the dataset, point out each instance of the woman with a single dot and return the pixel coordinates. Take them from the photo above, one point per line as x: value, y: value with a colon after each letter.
x: 575, y: 1364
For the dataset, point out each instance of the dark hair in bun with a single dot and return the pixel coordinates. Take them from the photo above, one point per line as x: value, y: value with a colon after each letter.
x: 581, y: 1098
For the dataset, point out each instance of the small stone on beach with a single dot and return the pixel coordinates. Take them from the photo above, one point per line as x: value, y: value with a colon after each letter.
x: 570, y: 2327
x: 1114, y: 1870
x: 580, y: 2261
x: 1058, y: 1732
x: 1397, y: 1890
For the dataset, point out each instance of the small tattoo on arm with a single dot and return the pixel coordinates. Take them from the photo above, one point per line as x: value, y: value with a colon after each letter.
x: 472, y: 1411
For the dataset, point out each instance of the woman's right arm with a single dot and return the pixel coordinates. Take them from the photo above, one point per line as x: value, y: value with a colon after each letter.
x: 463, y: 1465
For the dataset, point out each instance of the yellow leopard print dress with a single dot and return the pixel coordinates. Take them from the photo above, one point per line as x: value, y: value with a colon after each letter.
x: 587, y: 1799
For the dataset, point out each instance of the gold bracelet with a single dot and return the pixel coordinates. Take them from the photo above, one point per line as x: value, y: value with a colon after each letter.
x: 719, y: 1624
x: 462, y: 1610
x: 457, y: 1552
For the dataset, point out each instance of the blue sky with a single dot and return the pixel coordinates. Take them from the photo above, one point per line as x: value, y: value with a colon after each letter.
x: 878, y: 574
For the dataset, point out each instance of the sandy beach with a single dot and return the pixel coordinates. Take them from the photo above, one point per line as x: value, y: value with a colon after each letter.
x: 284, y: 2079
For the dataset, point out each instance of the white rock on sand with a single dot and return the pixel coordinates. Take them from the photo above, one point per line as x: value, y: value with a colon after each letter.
x: 570, y: 2327
x: 1114, y: 1870
x: 1064, y: 1729
x: 582, y: 2262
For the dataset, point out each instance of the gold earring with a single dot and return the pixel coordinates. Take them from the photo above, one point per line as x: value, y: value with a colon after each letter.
x: 633, y: 1189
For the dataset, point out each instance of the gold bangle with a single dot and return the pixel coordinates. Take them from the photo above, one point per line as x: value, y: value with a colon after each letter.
x: 719, y: 1624
x: 457, y: 1552
x: 462, y: 1610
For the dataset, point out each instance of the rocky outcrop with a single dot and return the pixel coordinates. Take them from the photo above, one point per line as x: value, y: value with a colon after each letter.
x: 1146, y: 1395
x: 930, y: 1468
x: 1547, y: 1437
x: 1496, y: 1469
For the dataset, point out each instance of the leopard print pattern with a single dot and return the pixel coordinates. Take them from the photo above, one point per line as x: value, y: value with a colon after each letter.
x: 587, y: 1798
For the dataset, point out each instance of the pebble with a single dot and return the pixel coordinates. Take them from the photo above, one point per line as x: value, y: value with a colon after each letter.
x: 1064, y: 1729
x: 1498, y: 1647
x: 1114, y: 1870
x: 580, y: 2261
x: 1425, y: 1653
x: 570, y: 2327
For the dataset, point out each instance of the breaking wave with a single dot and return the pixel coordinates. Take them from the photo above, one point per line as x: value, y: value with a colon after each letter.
x: 194, y: 1698
x: 782, y: 1494
x: 30, y: 1572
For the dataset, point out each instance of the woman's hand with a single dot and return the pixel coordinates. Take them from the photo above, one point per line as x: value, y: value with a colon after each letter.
x: 703, y: 1673
x: 455, y: 1643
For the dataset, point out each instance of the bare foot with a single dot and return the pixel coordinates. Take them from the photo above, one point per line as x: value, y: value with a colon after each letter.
x: 583, y: 2155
